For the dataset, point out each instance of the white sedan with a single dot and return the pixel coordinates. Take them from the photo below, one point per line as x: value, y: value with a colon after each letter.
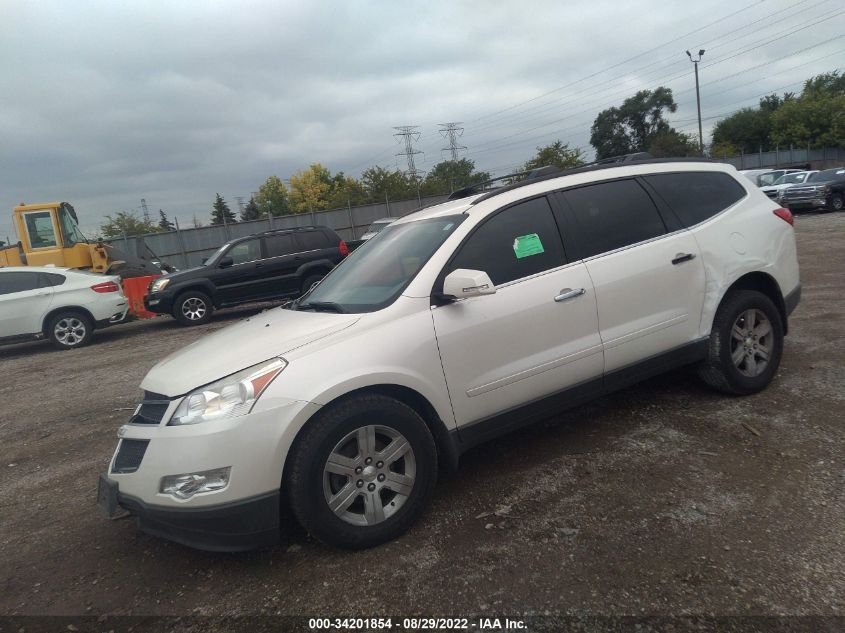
x: 61, y: 304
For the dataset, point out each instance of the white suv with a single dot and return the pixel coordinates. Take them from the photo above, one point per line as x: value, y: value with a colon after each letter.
x: 455, y: 324
x: 61, y: 304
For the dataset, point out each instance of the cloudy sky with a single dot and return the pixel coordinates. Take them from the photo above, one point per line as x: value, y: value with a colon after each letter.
x: 105, y: 103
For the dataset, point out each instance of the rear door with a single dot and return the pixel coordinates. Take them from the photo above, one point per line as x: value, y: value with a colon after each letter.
x: 536, y: 336
x: 25, y: 298
x: 244, y: 279
x: 282, y: 263
x: 648, y: 277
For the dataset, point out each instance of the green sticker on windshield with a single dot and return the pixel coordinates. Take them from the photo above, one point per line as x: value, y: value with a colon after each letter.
x: 527, y: 245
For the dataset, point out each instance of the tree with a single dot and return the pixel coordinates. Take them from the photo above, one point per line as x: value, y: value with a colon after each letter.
x: 310, y: 189
x: 164, y: 224
x: 346, y: 190
x: 221, y: 213
x: 394, y: 185
x: 449, y: 175
x: 127, y: 223
x: 557, y: 154
x: 272, y: 198
x: 815, y: 118
x: 634, y: 125
x: 747, y: 130
x: 250, y: 211
x: 673, y: 143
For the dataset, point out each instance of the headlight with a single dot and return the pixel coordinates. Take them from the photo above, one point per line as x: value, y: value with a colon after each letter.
x: 229, y: 397
x: 159, y: 284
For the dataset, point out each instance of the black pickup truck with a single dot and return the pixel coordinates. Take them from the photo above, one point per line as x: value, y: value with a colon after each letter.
x: 825, y: 189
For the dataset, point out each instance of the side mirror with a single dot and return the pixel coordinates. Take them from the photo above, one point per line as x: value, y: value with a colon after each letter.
x: 226, y: 262
x: 204, y: 261
x: 463, y: 283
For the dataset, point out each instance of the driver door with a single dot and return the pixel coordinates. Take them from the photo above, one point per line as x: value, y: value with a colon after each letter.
x: 536, y: 337
x: 244, y: 279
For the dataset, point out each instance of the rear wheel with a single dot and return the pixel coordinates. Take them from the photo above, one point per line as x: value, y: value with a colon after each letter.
x: 362, y: 472
x: 746, y: 344
x: 836, y: 203
x: 68, y: 330
x: 193, y: 308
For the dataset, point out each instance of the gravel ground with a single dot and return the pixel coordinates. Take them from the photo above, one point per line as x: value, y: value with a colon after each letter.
x: 663, y: 499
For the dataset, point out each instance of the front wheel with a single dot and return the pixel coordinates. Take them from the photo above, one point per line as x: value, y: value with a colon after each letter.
x: 362, y: 472
x: 193, y: 308
x: 746, y: 344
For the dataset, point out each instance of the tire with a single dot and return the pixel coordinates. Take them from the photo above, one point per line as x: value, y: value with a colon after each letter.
x: 836, y: 203
x: 736, y: 361
x: 193, y: 308
x: 401, y: 487
x: 69, y: 330
x: 310, y: 280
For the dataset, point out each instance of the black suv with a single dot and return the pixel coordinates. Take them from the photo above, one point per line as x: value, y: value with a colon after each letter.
x: 272, y: 265
x: 825, y: 189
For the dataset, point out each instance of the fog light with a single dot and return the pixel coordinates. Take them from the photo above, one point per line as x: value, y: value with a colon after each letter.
x: 187, y: 485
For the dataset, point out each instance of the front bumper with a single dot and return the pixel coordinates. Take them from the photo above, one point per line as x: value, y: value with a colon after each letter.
x: 814, y: 202
x: 228, y: 527
x: 244, y: 514
x: 160, y: 303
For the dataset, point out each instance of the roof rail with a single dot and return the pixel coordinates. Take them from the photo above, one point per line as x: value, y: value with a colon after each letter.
x: 549, y: 171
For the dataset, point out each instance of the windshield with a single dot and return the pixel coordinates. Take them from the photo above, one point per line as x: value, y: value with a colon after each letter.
x: 377, y: 272
x: 788, y: 179
x: 70, y: 230
x: 826, y: 175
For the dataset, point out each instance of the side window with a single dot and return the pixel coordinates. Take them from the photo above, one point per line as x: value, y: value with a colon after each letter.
x: 12, y: 282
x: 244, y: 252
x: 312, y: 240
x: 40, y: 230
x: 46, y: 280
x: 611, y: 215
x: 696, y: 196
x: 278, y: 245
x: 520, y: 241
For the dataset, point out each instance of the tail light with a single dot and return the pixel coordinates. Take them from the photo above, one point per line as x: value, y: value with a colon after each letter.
x: 106, y: 286
x: 785, y: 215
x: 344, y: 249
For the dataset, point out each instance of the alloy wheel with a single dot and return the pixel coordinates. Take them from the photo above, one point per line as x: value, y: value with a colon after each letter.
x: 70, y: 331
x: 369, y: 475
x: 751, y: 342
x: 194, y: 308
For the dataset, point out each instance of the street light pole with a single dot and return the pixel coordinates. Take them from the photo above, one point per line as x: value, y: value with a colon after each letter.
x: 698, y: 99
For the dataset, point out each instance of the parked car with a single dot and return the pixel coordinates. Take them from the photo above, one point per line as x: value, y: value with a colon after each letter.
x: 461, y: 322
x: 787, y: 180
x: 825, y: 189
x: 272, y: 265
x: 61, y: 304
x: 375, y: 228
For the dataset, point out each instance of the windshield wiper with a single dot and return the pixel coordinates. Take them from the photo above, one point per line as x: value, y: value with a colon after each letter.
x: 321, y: 306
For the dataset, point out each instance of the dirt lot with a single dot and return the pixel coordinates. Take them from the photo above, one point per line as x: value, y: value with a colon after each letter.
x: 661, y: 499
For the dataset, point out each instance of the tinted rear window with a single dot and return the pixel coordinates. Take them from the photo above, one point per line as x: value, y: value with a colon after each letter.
x: 278, y: 245
x: 611, y: 215
x: 313, y: 240
x: 13, y: 281
x: 697, y: 196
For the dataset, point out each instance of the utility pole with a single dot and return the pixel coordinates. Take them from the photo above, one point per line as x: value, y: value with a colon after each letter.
x: 146, y: 210
x: 698, y: 99
x: 452, y: 132
x: 408, y: 134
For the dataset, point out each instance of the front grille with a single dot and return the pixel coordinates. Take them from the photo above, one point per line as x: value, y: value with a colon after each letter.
x: 152, y: 410
x: 129, y: 456
x: 772, y: 194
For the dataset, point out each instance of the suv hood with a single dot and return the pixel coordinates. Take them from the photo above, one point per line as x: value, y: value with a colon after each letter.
x: 252, y: 341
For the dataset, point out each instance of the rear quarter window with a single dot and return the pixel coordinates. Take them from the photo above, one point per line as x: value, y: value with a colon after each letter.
x: 313, y: 240
x: 696, y: 196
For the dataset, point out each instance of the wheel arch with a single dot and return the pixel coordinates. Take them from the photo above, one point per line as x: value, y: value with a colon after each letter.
x: 198, y: 286
x: 765, y: 284
x: 72, y: 308
x: 447, y: 449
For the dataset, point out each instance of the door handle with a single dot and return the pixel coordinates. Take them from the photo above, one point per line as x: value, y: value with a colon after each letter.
x: 682, y: 257
x: 568, y: 293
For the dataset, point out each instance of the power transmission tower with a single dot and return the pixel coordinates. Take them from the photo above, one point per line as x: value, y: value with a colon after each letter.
x: 452, y: 132
x: 146, y: 210
x: 409, y: 134
x: 240, y: 200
